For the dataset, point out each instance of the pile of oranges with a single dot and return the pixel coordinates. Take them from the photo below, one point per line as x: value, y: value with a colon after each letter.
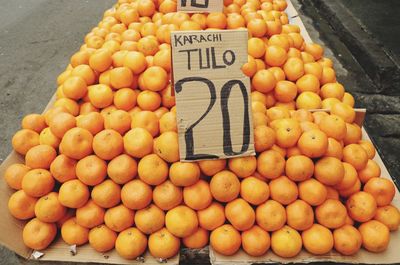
x: 102, y: 165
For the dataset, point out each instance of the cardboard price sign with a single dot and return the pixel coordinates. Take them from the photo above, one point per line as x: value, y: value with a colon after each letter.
x: 212, y: 94
x: 199, y: 6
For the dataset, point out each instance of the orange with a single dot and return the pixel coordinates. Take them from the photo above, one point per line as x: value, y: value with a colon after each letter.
x: 181, y: 221
x: 288, y: 131
x: 38, y: 235
x: 293, y: 68
x: 47, y: 137
x: 74, y: 87
x: 76, y: 143
x: 121, y: 77
x: 347, y: 240
x: 243, y: 166
x: 135, y: 61
x: 371, y: 170
x: 122, y: 169
x: 254, y: 190
x: 125, y: 99
x: 147, y: 120
x: 283, y: 190
x: 300, y: 215
x: 166, y: 146
x: 286, y: 242
x: 375, y: 236
x: 211, y: 217
x: 37, y: 182
x: 154, y: 78
x: 118, y: 120
x: 197, y: 240
x: 119, y: 218
x: 225, y: 240
x: 361, y: 206
x: 34, y: 122
x: 264, y: 137
x: 255, y: 241
x: 240, y: 214
x: 150, y: 219
x: 333, y: 126
x: 211, y: 167
x: 353, y: 134
x: 148, y: 46
x: 167, y: 196
x: 299, y: 168
x: 270, y: 215
x: 198, y: 196
x: 108, y: 144
x: 106, y: 194
x: 101, y: 59
x: 349, y: 191
x: 331, y: 214
x: 93, y: 122
x: 163, y: 244
x: 270, y: 164
x: 216, y: 20
x: 335, y: 148
x: 63, y: 168
x: 73, y: 194
x: 317, y: 239
x: 14, y: 175
x: 263, y: 81
x: 74, y: 234
x: 257, y: 27
x: 85, y: 72
x: 318, y: 116
x: 168, y: 122
x: 250, y: 68
x: 315, y: 50
x: 100, y: 95
x: 349, y: 179
x: 344, y: 111
x: 368, y: 147
x: 90, y: 215
x: 167, y: 97
x: 285, y: 91
x: 329, y: 171
x: 138, y: 142
x: 308, y: 82
x: 332, y: 90
x: 312, y: 192
x: 60, y: 123
x: 355, y: 155
x: 383, y: 190
x: 348, y: 99
x: 152, y: 169
x: 102, y: 238
x: 48, y: 209
x: 40, y: 156
x: 130, y: 243
x: 149, y: 100
x: 225, y: 186
x: 136, y: 194
x: 91, y: 170
x: 21, y: 205
x: 70, y: 105
x: 308, y: 100
x: 80, y: 57
x: 313, y: 143
x: 184, y: 173
x: 389, y: 215
x: 129, y: 16
x: 313, y: 68
x: 275, y: 55
x: 255, y: 47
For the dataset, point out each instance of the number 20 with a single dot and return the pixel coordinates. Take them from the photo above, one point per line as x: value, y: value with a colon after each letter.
x: 225, y: 93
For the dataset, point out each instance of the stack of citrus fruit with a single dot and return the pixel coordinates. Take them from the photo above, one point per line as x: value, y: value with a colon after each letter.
x: 102, y: 165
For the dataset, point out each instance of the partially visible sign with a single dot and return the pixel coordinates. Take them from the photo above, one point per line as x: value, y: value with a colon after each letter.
x: 199, y: 6
x: 212, y: 94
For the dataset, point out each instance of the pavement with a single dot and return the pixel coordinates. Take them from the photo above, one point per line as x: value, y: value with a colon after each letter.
x: 37, y: 38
